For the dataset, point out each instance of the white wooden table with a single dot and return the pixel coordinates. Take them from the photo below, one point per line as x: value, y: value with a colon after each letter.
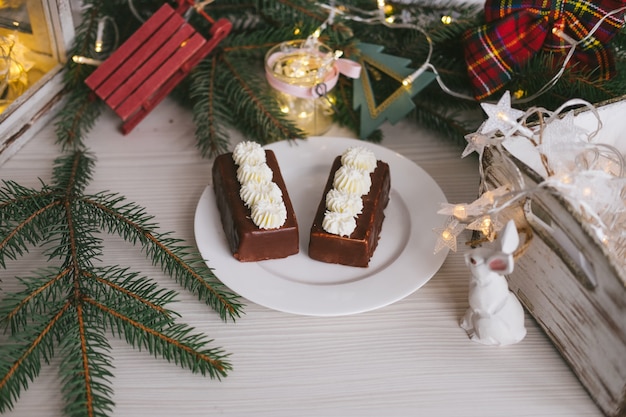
x: 407, y: 359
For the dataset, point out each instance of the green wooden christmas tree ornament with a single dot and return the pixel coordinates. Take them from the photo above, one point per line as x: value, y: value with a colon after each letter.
x: 379, y: 91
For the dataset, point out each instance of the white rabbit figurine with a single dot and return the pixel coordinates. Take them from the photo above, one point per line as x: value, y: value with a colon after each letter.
x: 495, y: 316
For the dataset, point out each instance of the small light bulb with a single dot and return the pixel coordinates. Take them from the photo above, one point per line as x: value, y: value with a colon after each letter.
x: 488, y: 195
x: 446, y: 235
x: 566, y: 179
x: 460, y: 212
x: 486, y: 226
x: 297, y: 31
x: 84, y: 60
x: 446, y: 20
x: 503, y: 116
x: 99, y: 36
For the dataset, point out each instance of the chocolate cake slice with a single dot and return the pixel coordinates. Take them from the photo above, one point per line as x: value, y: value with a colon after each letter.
x: 357, y: 248
x: 247, y: 241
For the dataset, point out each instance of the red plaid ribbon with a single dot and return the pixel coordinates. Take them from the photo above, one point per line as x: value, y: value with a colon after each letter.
x: 517, y: 30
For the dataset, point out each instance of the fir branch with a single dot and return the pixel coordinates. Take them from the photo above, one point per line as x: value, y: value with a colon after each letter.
x: 209, y: 114
x: 77, y: 117
x: 87, y: 365
x: 20, y: 363
x: 175, y: 343
x: 70, y: 307
x: 179, y: 261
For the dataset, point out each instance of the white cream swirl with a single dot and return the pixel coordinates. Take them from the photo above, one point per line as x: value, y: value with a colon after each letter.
x: 344, y: 202
x: 352, y: 180
x: 257, y: 173
x: 269, y: 214
x: 360, y: 158
x: 248, y: 152
x: 342, y: 224
x: 252, y: 192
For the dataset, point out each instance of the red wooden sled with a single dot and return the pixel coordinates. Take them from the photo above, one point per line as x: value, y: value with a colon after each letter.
x: 147, y: 67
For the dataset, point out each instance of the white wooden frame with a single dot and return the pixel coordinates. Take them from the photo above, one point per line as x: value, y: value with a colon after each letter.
x: 29, y: 112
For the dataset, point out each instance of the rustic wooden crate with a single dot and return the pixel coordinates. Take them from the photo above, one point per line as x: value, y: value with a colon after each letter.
x: 570, y: 284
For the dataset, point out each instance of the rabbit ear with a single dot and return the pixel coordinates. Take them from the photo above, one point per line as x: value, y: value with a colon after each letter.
x: 501, y: 263
x: 509, y: 239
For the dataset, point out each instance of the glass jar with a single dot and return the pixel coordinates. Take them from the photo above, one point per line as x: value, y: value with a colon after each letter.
x: 302, y: 74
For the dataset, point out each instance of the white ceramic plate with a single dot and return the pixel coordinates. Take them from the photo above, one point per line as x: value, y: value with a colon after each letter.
x: 402, y: 262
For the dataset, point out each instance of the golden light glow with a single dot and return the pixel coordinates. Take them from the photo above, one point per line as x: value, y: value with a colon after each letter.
x: 446, y: 235
x: 84, y: 60
x: 519, y: 94
x: 446, y: 20
x: 15, y: 62
x: 489, y: 196
x: 98, y: 46
x: 503, y: 116
x: 460, y: 212
x: 297, y: 31
x: 485, y: 226
x: 566, y: 179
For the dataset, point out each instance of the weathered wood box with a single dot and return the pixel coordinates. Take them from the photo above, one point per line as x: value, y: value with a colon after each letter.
x: 568, y: 281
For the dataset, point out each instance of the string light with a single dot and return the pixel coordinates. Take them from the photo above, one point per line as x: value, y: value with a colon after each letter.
x: 503, y: 118
x: 85, y: 60
x: 99, y: 35
x: 447, y: 235
x: 589, y: 176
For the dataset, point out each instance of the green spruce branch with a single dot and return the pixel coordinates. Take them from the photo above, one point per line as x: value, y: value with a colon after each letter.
x: 68, y: 308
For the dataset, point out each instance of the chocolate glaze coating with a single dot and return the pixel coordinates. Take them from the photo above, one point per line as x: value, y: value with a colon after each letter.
x: 246, y: 240
x: 358, y: 248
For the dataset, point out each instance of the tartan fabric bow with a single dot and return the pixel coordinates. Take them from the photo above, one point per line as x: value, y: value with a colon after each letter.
x: 516, y: 30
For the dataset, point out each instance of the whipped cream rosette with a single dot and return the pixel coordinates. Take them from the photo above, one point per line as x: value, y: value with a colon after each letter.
x: 269, y: 214
x: 342, y: 224
x: 252, y: 192
x: 359, y: 157
x: 248, y: 152
x: 256, y: 173
x: 352, y: 180
x: 344, y: 202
